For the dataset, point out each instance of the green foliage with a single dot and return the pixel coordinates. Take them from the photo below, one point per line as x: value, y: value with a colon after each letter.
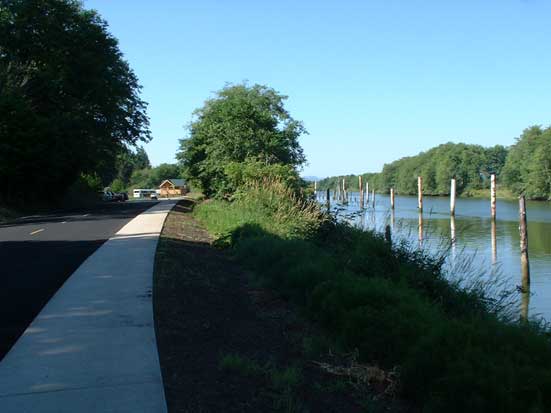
x: 528, y: 166
x: 242, y: 365
x: 471, y: 165
x: 69, y: 102
x: 152, y: 177
x: 288, y: 215
x: 454, y: 351
x: 242, y: 123
x: 239, y: 174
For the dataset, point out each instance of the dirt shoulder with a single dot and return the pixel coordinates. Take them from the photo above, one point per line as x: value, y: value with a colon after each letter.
x: 228, y: 345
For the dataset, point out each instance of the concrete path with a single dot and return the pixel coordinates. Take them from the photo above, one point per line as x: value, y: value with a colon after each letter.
x: 92, y: 348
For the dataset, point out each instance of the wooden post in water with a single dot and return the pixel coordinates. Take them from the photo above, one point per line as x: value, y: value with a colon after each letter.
x: 328, y: 199
x: 367, y: 194
x: 373, y: 196
x: 392, y: 198
x: 452, y: 197
x: 493, y: 193
x: 388, y: 235
x: 523, y: 229
x: 420, y: 193
x: 344, y: 191
x: 420, y: 228
x: 525, y: 304
x: 360, y: 185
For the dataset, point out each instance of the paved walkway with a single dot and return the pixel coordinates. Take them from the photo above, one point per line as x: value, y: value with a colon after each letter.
x: 92, y: 348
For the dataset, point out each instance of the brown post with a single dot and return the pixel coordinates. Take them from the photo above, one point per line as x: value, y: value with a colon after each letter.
x: 452, y: 197
x: 391, y: 198
x: 420, y: 227
x: 367, y: 194
x: 360, y: 184
x: 388, y: 235
x: 328, y: 199
x: 420, y: 193
x: 525, y: 304
x: 493, y: 192
x: 523, y: 228
x: 373, y: 196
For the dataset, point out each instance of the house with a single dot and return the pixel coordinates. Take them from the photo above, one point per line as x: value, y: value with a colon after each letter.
x: 173, y: 187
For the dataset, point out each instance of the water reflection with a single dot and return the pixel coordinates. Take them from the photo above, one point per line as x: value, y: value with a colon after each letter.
x: 494, y: 241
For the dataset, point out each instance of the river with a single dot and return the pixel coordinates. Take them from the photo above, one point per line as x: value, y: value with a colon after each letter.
x: 487, y: 255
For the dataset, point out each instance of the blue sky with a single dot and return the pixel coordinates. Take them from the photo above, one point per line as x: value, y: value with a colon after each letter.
x: 371, y: 80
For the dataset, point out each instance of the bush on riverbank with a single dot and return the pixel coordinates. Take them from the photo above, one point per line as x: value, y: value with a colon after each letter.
x: 454, y: 352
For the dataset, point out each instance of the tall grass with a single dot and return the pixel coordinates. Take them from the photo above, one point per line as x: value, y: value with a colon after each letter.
x: 455, y: 351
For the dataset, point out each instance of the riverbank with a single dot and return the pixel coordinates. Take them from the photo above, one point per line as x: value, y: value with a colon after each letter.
x: 227, y: 344
x: 454, y: 350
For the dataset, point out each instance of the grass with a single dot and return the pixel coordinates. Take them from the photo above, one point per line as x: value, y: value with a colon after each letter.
x: 453, y: 346
x: 283, y: 384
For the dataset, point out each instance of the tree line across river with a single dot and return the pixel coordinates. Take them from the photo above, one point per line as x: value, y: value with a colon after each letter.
x: 523, y: 168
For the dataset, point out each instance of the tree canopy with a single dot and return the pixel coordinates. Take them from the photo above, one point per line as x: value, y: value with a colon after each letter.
x: 528, y: 166
x: 241, y: 124
x: 69, y: 102
x: 471, y: 165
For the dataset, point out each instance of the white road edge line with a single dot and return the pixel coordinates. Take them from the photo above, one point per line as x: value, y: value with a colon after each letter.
x: 37, y: 231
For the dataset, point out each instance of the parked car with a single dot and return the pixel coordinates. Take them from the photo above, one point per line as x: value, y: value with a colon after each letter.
x: 153, y: 196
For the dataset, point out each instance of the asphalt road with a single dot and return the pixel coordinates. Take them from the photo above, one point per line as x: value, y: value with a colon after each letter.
x: 37, y: 255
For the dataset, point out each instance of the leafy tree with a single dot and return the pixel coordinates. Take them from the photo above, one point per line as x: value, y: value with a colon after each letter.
x: 152, y: 177
x: 69, y: 102
x: 242, y: 123
x: 528, y: 166
x: 471, y: 165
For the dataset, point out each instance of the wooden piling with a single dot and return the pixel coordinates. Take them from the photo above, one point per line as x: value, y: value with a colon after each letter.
x: 523, y: 229
x: 367, y: 194
x: 525, y: 304
x: 452, y: 229
x: 452, y: 197
x: 328, y: 199
x: 388, y: 235
x: 392, y: 198
x: 420, y: 193
x: 493, y: 195
x: 420, y: 228
x: 315, y: 187
x: 360, y: 185
x: 373, y: 196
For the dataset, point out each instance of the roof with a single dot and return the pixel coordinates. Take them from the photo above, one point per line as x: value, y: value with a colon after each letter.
x: 175, y: 182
